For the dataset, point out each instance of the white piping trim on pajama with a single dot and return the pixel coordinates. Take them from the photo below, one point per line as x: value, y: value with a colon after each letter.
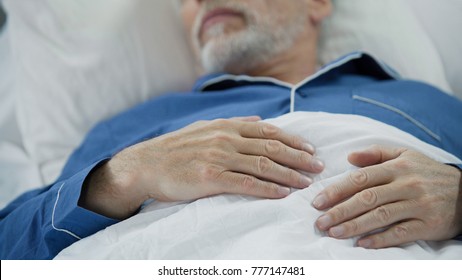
x: 253, y: 79
x: 322, y: 71
x: 238, y: 78
x: 53, y: 217
x: 398, y: 111
x: 294, y: 88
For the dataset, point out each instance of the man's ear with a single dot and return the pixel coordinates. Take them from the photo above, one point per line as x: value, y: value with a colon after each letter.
x: 319, y: 10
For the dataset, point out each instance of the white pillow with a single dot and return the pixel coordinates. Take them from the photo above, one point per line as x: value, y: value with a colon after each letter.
x: 8, y: 126
x: 80, y: 61
x: 2, y: 16
x: 442, y: 21
x: 390, y: 31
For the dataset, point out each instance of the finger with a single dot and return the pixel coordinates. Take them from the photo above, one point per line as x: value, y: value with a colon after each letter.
x: 282, y: 154
x: 363, y: 202
x: 398, y: 234
x: 380, y: 217
x: 267, y: 131
x: 355, y: 182
x: 236, y: 183
x: 374, y: 155
x: 266, y: 169
x: 247, y: 119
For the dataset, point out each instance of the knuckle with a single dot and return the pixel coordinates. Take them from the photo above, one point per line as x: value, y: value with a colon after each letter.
x: 334, y: 192
x: 424, y: 202
x: 214, y: 155
x: 294, y: 178
x: 383, y: 214
x: 249, y: 183
x: 219, y: 138
x: 223, y: 137
x: 209, y: 173
x: 352, y: 227
x: 273, y: 147
x: 304, y: 159
x: 220, y: 122
x: 403, y: 163
x: 296, y: 142
x: 269, y: 131
x: 359, y: 178
x: 264, y: 164
x: 417, y: 185
x: 435, y: 217
x: 435, y: 222
x: 270, y: 190
x: 378, y: 240
x: 338, y: 214
x: 401, y: 232
x: 368, y: 197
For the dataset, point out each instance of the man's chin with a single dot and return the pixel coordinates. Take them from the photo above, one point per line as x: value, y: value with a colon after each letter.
x: 233, y: 53
x: 213, y: 58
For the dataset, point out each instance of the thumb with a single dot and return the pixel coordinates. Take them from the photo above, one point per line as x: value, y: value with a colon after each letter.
x: 374, y: 155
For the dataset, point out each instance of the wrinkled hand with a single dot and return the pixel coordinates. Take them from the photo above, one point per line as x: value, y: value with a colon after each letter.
x: 404, y: 192
x: 237, y: 156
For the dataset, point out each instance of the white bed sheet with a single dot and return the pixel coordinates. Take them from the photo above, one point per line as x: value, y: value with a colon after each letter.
x: 239, y: 227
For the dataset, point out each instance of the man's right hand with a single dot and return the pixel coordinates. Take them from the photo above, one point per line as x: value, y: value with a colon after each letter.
x: 236, y: 156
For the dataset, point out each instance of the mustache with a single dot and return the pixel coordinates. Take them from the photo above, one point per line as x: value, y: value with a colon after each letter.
x: 208, y: 6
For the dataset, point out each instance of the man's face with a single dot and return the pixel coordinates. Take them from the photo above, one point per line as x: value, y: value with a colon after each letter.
x: 238, y: 35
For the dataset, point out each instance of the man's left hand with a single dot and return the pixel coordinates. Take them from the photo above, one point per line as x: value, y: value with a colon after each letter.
x: 406, y: 194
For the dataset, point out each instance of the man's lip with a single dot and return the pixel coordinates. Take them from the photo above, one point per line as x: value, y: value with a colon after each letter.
x: 210, y: 17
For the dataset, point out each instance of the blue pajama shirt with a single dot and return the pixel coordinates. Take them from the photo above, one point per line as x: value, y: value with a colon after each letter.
x: 42, y: 222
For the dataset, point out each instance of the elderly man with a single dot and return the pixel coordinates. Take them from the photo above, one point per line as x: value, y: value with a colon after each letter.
x: 194, y: 145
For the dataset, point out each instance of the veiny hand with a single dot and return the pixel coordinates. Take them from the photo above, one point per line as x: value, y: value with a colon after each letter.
x: 236, y: 156
x: 404, y: 192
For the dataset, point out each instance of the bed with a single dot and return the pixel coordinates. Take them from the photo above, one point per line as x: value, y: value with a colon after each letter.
x: 65, y: 65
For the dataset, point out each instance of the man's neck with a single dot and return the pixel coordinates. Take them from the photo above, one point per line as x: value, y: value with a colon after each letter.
x: 293, y: 65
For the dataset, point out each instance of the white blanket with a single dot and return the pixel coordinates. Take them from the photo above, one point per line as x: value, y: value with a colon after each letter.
x: 240, y: 227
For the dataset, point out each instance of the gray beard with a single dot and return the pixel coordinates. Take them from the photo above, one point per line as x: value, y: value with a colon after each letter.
x: 240, y: 52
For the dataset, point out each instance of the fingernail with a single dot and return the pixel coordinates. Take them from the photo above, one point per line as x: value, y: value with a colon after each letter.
x: 337, y: 231
x: 306, y: 181
x: 284, y: 191
x: 365, y: 243
x: 318, y: 165
x: 309, y: 148
x: 319, y: 201
x: 324, y: 222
